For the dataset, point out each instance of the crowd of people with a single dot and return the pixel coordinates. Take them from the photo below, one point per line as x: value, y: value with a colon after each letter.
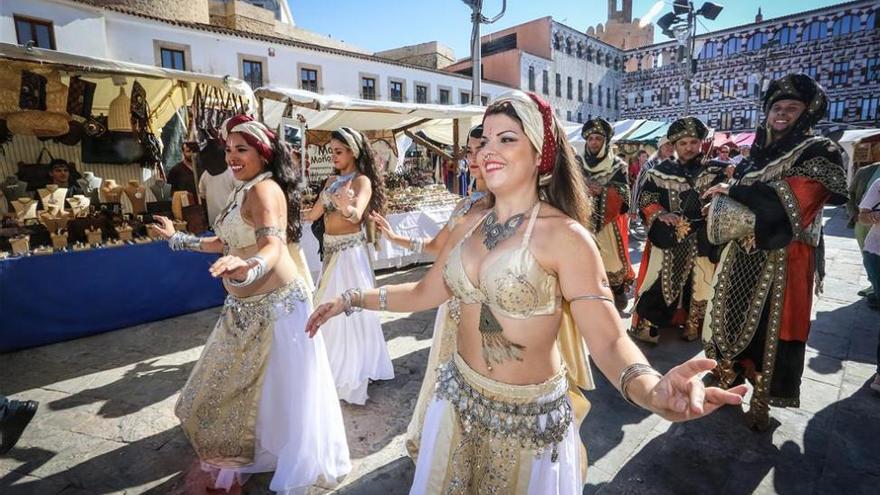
x: 532, y: 275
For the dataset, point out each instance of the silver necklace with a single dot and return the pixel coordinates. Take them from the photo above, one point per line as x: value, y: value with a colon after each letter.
x: 495, y: 232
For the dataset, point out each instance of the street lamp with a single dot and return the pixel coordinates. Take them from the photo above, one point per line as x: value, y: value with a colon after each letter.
x: 478, y: 18
x: 681, y: 25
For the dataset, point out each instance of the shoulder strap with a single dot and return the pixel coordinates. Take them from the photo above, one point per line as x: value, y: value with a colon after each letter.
x: 531, y: 225
x: 251, y: 183
x: 477, y: 224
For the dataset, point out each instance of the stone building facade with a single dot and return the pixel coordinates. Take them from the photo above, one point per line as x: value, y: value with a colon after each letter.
x: 839, y: 46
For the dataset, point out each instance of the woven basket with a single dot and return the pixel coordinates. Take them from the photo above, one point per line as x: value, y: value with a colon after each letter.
x: 119, y: 118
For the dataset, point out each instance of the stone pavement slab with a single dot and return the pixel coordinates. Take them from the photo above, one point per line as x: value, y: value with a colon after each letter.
x: 106, y: 424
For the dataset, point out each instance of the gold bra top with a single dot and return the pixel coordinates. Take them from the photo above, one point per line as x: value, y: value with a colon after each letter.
x: 513, y: 285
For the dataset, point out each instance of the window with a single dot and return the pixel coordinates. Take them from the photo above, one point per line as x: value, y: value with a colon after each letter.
x: 872, y: 21
x: 546, y: 82
x: 464, y: 98
x: 608, y: 97
x: 812, y: 71
x: 731, y: 46
x: 786, y: 35
x: 568, y: 115
x: 484, y: 100
x: 368, y: 88
x: 569, y: 88
x: 869, y: 108
x: 531, y: 78
x: 444, y: 97
x: 396, y: 88
x: 580, y: 53
x: 568, y: 47
x: 421, y: 94
x: 726, y: 121
x: 600, y: 95
x: 172, y: 59
x: 840, y: 73
x: 750, y: 118
x: 559, y: 85
x: 704, y: 91
x: 846, y: 25
x: 778, y: 73
x: 664, y: 95
x: 872, y: 70
x: 617, y: 99
x: 590, y: 95
x: 815, y: 30
x: 557, y: 42
x: 252, y: 73
x: 756, y: 41
x: 308, y: 79
x: 710, y: 50
x: 40, y: 33
x: 727, y: 88
x: 589, y: 55
x: 580, y: 117
x: 580, y: 90
x: 836, y: 109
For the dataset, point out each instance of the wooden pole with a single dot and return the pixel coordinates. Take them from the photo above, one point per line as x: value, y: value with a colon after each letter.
x: 456, y: 154
x: 428, y: 144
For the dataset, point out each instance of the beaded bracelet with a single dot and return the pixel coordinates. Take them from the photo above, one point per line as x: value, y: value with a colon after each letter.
x: 352, y: 301
x: 632, y: 372
x: 180, y: 241
x: 383, y: 298
x: 255, y: 272
x: 417, y: 245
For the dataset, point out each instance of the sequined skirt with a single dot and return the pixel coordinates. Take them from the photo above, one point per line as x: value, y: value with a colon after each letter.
x: 483, y: 436
x: 336, y: 243
x: 217, y: 407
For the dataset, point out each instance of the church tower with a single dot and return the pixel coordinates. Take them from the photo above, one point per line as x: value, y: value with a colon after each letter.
x: 621, y: 30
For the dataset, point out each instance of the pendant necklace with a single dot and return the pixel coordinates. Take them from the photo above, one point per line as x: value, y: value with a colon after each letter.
x: 495, y: 232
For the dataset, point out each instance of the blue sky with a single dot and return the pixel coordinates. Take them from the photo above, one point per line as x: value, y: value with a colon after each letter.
x: 378, y: 25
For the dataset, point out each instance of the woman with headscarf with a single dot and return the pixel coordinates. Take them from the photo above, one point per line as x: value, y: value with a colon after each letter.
x: 771, y: 222
x: 448, y: 315
x: 261, y: 396
x: 355, y: 346
x: 506, y: 410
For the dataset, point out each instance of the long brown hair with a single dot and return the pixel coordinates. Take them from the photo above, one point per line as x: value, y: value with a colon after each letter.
x: 565, y: 189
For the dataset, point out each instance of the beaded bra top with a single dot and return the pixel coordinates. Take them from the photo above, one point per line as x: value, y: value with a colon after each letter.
x: 332, y: 188
x: 513, y: 285
x: 230, y: 226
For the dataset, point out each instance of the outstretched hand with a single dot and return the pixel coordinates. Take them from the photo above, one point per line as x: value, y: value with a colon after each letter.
x: 382, y: 223
x: 323, y: 313
x: 680, y: 395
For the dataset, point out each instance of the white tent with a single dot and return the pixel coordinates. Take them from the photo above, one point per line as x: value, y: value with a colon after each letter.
x: 167, y: 89
x: 848, y: 141
x: 328, y: 112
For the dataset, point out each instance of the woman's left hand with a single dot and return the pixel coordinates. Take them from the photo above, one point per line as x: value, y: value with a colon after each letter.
x: 230, y: 267
x: 343, y: 198
x: 680, y: 395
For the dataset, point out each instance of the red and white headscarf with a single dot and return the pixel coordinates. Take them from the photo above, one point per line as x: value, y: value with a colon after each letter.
x: 254, y: 133
x: 538, y: 125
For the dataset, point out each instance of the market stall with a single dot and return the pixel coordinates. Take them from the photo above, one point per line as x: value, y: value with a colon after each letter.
x: 415, y: 208
x: 81, y: 170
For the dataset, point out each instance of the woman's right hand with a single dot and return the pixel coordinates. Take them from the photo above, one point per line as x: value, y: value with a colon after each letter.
x: 163, y: 226
x: 382, y: 224
x: 323, y: 313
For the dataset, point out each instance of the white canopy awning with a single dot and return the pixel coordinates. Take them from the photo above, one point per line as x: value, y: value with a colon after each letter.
x: 328, y: 112
x: 166, y: 89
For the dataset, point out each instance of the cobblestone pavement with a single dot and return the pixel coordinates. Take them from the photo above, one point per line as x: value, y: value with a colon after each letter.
x: 105, y: 423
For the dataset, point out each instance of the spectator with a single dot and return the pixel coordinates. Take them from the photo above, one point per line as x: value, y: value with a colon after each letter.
x: 181, y: 176
x: 636, y: 166
x: 865, y: 176
x: 869, y: 214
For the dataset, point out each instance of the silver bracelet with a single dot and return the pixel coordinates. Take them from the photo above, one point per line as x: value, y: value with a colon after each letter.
x: 383, y: 298
x: 417, y: 245
x: 181, y: 241
x: 632, y: 372
x: 254, y: 273
x: 350, y: 306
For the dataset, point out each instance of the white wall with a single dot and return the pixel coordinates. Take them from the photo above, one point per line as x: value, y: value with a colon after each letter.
x: 103, y: 33
x: 78, y: 28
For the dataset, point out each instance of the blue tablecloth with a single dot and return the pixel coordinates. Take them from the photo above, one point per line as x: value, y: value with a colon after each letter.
x: 46, y: 299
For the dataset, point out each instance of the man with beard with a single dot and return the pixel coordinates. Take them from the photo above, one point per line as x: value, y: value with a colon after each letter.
x: 771, y: 222
x: 676, y: 271
x: 606, y: 179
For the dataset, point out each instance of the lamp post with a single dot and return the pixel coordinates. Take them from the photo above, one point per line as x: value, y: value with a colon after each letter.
x: 478, y: 18
x: 681, y: 24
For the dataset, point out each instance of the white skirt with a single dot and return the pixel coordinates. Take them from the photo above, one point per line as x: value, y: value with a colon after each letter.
x: 355, y: 344
x: 300, y: 431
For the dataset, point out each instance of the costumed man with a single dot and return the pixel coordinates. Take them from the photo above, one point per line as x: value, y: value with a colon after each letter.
x: 675, y: 275
x: 606, y: 179
x: 771, y: 222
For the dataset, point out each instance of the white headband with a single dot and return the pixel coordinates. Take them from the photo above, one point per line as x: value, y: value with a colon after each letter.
x: 353, y: 139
